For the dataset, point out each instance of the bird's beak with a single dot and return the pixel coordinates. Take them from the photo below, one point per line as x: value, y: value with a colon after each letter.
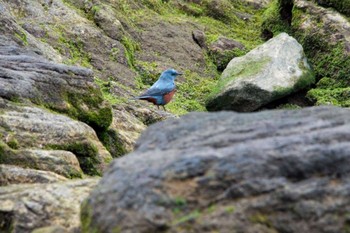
x: 179, y: 73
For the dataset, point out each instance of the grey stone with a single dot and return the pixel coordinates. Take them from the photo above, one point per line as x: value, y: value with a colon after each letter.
x: 28, y: 132
x: 53, y: 208
x: 269, y: 72
x: 10, y: 174
x: 271, y: 171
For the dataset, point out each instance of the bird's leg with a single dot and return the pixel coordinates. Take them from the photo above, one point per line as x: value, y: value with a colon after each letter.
x: 158, y: 107
x: 164, y: 108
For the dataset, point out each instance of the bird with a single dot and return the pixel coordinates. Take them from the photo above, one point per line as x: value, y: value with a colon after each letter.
x: 163, y: 90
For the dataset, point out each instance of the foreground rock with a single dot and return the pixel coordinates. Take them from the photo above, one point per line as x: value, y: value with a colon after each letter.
x: 24, y: 208
x: 36, y: 138
x: 269, y: 72
x: 10, y: 174
x: 272, y: 171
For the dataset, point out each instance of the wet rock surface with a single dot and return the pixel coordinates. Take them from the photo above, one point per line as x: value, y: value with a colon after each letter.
x: 271, y: 171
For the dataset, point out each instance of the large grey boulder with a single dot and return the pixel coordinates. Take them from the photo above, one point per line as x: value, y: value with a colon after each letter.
x: 32, y: 137
x: 271, y: 171
x: 269, y: 72
x: 26, y: 207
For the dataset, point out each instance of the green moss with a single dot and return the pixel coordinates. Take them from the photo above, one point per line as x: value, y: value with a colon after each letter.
x: 148, y: 72
x: 97, y: 116
x: 189, y: 99
x: 76, y: 52
x: 289, y: 106
x: 261, y: 219
x: 272, y: 21
x: 333, y: 96
x: 13, y: 143
x: 2, y: 152
x: 86, y: 153
x: 221, y: 59
x: 112, y: 142
x: 188, y: 217
x: 86, y: 215
x: 304, y: 82
x: 230, y: 209
x: 243, y: 69
x: 113, y: 56
x: 22, y: 37
x: 130, y: 48
x: 106, y: 89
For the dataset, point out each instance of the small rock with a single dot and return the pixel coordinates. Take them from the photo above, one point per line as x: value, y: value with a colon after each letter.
x: 199, y: 38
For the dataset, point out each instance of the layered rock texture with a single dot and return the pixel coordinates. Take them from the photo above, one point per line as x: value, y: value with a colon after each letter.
x: 24, y: 208
x: 272, y: 171
x: 269, y: 72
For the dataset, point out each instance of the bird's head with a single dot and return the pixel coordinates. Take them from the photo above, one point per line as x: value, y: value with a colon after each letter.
x: 170, y: 74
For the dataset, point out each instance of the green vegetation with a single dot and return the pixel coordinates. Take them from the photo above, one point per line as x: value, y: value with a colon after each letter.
x: 261, y: 219
x: 273, y: 23
x: 241, y: 69
x: 188, y: 217
x: 130, y: 48
x: 230, y: 209
x: 13, y: 143
x: 106, y: 89
x: 111, y: 141
x: 74, y: 49
x: 86, y: 153
x: 22, y: 37
x: 86, y: 218
x: 188, y: 98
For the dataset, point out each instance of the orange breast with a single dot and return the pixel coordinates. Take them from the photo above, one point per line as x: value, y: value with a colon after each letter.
x: 167, y: 97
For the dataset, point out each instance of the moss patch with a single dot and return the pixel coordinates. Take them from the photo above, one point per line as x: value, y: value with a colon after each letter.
x: 242, y: 69
x: 86, y: 153
x: 112, y: 142
x: 86, y: 218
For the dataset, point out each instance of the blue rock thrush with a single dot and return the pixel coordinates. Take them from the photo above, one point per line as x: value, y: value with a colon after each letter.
x: 162, y: 91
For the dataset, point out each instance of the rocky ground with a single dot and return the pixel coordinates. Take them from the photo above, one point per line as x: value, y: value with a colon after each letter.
x: 68, y: 71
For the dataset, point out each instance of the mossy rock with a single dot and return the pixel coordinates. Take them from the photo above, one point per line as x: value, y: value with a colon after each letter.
x: 265, y: 74
x: 322, y: 33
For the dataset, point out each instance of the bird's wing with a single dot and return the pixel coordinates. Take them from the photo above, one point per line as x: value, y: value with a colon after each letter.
x: 153, y: 91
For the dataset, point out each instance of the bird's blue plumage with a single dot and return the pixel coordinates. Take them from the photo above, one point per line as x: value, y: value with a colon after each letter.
x: 163, y: 86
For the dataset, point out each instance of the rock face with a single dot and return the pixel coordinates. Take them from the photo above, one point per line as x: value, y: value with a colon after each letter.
x: 36, y: 138
x: 10, y: 174
x: 271, y: 171
x: 25, y: 75
x: 24, y: 208
x: 269, y: 72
